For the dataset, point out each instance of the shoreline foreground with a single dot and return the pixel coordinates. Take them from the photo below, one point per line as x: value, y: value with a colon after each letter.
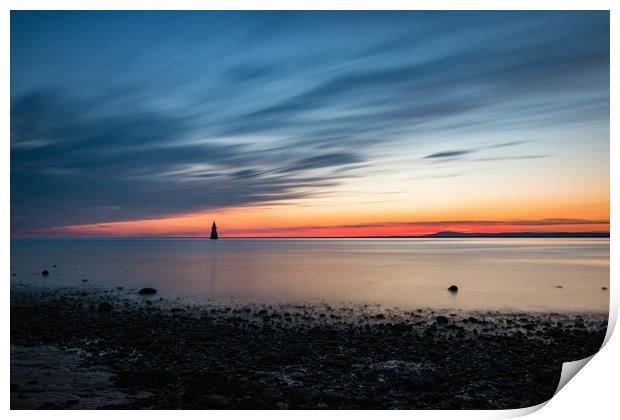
x: 71, y: 349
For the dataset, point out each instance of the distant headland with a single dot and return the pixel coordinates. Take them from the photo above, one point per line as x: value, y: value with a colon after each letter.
x: 448, y: 234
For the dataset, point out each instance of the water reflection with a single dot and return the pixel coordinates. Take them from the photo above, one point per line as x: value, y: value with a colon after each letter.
x: 212, y: 290
x: 491, y: 273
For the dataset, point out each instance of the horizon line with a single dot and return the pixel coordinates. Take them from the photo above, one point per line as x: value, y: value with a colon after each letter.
x: 436, y: 235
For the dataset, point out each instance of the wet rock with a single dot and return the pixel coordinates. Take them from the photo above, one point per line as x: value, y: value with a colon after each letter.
x: 272, y: 395
x: 105, y: 308
x: 330, y: 396
x: 147, y: 291
x: 45, y: 273
x: 453, y: 289
x: 84, y: 280
x: 303, y: 395
x: 216, y: 401
x: 441, y: 319
x: 401, y: 327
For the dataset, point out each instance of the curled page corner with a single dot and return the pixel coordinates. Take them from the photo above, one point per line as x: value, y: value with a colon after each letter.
x: 521, y: 412
x: 570, y: 369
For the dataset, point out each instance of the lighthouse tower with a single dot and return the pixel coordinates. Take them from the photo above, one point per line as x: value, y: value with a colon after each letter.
x: 214, y: 231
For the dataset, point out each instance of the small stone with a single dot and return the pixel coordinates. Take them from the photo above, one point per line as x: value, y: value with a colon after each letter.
x: 603, y: 288
x: 559, y: 286
x: 84, y: 280
x: 105, y: 307
x: 45, y: 273
x: 147, y: 291
x: 303, y: 395
x: 453, y: 289
x: 441, y: 319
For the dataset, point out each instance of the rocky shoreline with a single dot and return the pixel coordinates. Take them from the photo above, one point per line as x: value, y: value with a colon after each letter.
x: 148, y: 353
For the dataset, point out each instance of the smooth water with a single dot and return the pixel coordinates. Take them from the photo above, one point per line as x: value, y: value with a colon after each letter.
x: 514, y: 274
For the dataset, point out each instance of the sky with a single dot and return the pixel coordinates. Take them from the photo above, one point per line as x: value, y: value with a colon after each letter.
x: 308, y: 123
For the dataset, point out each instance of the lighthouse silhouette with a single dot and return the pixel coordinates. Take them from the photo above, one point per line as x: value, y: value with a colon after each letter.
x: 213, y: 231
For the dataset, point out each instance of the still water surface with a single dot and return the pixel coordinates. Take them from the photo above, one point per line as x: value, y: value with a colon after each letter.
x: 514, y: 274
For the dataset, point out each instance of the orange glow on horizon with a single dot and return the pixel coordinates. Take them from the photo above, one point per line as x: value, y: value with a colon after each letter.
x: 281, y: 221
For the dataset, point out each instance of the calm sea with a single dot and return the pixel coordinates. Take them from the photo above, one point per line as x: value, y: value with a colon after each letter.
x: 514, y: 274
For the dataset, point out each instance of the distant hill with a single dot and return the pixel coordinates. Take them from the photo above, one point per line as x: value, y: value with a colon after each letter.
x: 447, y: 234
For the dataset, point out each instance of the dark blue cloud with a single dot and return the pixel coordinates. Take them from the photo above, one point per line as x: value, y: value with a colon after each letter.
x: 448, y: 154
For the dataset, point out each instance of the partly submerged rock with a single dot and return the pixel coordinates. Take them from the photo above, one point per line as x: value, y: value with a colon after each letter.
x: 45, y: 273
x: 453, y: 289
x: 147, y: 291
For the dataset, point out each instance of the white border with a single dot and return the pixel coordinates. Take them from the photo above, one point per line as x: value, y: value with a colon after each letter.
x: 593, y: 394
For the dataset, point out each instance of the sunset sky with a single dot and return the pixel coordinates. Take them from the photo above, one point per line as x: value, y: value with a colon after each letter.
x: 308, y: 124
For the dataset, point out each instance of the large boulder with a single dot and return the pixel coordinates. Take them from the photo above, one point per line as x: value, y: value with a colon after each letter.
x: 147, y: 291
